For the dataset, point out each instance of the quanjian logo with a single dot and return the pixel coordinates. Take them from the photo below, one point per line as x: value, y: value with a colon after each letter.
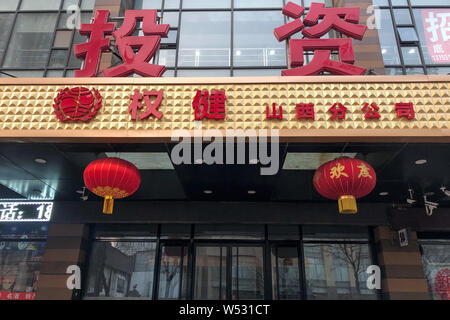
x: 77, y: 104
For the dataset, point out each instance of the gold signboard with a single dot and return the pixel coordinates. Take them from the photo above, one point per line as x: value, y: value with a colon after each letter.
x: 27, y: 111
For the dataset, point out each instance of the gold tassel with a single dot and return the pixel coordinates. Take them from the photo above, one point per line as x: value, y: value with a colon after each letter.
x: 108, y: 205
x: 347, y: 205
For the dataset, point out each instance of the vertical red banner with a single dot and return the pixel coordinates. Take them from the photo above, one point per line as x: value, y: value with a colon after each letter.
x: 436, y: 24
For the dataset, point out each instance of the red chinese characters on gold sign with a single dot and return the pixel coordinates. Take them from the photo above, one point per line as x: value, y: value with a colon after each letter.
x: 343, y: 20
x: 133, y: 62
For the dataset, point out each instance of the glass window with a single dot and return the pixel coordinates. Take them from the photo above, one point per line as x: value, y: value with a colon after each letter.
x: 87, y: 4
x: 394, y: 71
x: 213, y: 47
x: 402, y: 16
x: 225, y: 231
x: 256, y: 72
x: 210, y: 273
x: 169, y: 73
x: 20, y: 262
x: 414, y: 71
x: 40, y: 4
x: 258, y: 4
x: 429, y: 2
x: 6, y: 21
x: 55, y: 73
x: 121, y: 269
x: 24, y: 74
x: 173, y: 273
x: 134, y: 231
x: 252, y: 46
x: 387, y: 39
x: 171, y: 37
x: 335, y: 233
x: 147, y: 4
x: 407, y: 34
x: 31, y: 40
x: 206, y: 4
x: 247, y: 273
x: 63, y: 39
x: 58, y: 58
x: 433, y: 37
x: 9, y: 5
x: 68, y: 3
x: 170, y: 18
x: 171, y: 4
x: 337, y: 271
x: 285, y: 273
x: 437, y: 70
x: 436, y: 264
x: 411, y: 55
x: 402, y: 3
x: 203, y: 73
x: 166, y: 58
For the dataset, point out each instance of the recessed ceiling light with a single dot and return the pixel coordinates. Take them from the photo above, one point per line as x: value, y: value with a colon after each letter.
x: 272, y: 52
x: 207, y: 191
x: 384, y: 193
x: 383, y: 51
x: 411, y: 51
x: 40, y: 161
x: 421, y: 161
x: 238, y: 53
x: 251, y: 191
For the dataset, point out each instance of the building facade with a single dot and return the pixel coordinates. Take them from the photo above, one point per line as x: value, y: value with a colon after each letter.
x: 224, y: 230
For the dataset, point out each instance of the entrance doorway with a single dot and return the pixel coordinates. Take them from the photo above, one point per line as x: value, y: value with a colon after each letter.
x: 229, y: 272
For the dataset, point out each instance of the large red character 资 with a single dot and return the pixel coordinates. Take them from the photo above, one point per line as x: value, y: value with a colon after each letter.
x: 343, y: 20
x: 133, y: 62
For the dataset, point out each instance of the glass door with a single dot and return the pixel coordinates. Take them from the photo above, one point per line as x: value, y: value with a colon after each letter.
x: 172, y: 282
x: 286, y: 272
x: 229, y: 272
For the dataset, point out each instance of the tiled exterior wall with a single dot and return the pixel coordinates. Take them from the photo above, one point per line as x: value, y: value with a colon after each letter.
x: 401, y: 267
x: 66, y: 245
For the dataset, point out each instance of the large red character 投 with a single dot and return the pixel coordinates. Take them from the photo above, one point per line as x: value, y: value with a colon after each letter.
x: 135, y: 51
x: 343, y: 20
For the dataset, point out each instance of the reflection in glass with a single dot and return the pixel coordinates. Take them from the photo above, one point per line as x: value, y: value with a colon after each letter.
x: 387, y: 39
x: 411, y: 55
x: 285, y: 273
x: 40, y: 4
x: 6, y: 21
x: 258, y: 3
x: 31, y: 40
x: 20, y: 263
x: 121, y: 269
x: 247, y: 273
x: 10, y: 5
x: 213, y: 47
x: 407, y: 34
x: 337, y: 271
x: 436, y: 263
x: 147, y: 4
x: 402, y: 16
x: 203, y: 73
x: 252, y: 46
x: 173, y: 273
x: 210, y: 273
x: 206, y: 4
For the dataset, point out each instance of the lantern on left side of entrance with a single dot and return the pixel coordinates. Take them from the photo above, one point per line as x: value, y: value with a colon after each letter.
x: 111, y: 178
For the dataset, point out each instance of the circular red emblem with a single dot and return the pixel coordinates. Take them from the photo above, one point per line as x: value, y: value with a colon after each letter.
x: 77, y: 104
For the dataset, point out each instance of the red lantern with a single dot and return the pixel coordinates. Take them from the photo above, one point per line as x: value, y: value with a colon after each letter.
x: 345, y: 180
x: 111, y: 178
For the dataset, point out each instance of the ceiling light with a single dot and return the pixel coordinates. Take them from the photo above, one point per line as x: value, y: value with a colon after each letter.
x: 384, y: 193
x: 272, y: 52
x: 40, y: 161
x: 411, y: 51
x: 251, y: 191
x: 207, y: 191
x: 238, y: 53
x: 421, y: 161
x: 383, y: 51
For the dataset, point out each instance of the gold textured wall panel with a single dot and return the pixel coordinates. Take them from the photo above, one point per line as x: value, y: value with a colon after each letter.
x: 26, y: 108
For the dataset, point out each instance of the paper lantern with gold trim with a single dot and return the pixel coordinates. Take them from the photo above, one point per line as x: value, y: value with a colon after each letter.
x: 111, y: 178
x: 345, y: 180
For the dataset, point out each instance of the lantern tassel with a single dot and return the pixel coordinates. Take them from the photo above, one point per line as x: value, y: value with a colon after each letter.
x: 347, y: 205
x: 108, y: 205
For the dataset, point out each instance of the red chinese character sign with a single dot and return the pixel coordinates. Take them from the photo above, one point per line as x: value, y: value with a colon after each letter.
x: 135, y: 51
x: 210, y: 106
x: 77, y: 104
x: 343, y: 20
x: 437, y: 33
